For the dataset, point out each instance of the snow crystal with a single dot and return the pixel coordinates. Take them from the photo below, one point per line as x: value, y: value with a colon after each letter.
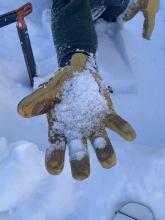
x: 100, y: 143
x: 77, y: 150
x: 82, y: 107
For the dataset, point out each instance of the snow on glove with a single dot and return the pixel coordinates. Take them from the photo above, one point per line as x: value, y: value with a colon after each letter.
x: 72, y: 123
x: 149, y: 9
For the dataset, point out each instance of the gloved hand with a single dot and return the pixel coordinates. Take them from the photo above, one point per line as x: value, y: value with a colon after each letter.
x: 149, y: 9
x: 44, y: 99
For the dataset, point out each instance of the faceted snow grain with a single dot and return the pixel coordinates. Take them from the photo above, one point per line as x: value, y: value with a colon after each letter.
x: 82, y: 107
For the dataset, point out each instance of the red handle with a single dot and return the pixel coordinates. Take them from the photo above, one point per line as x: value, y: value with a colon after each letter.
x: 22, y: 12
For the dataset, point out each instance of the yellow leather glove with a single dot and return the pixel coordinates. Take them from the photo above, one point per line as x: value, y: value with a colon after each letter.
x: 43, y: 100
x: 149, y: 9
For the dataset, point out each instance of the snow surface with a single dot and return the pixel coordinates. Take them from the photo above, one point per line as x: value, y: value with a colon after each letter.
x: 135, y: 69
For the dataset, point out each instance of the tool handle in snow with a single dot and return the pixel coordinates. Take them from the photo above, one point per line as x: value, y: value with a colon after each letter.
x: 8, y: 18
x: 16, y: 15
x: 25, y: 40
x: 27, y: 52
x: 22, y: 12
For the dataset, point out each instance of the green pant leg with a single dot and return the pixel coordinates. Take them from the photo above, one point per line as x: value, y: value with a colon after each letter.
x: 72, y: 28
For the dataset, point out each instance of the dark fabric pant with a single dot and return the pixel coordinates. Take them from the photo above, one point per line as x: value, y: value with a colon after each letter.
x: 73, y: 24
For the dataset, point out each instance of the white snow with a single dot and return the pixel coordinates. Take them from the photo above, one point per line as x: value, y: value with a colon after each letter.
x: 18, y: 180
x: 134, y: 68
x: 100, y: 143
x: 77, y: 150
x: 82, y: 107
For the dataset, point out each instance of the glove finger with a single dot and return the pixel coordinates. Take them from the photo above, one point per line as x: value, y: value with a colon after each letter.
x: 120, y: 126
x: 149, y: 12
x: 148, y: 26
x: 55, y: 154
x: 45, y: 97
x: 39, y: 102
x: 103, y: 148
x: 79, y: 159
